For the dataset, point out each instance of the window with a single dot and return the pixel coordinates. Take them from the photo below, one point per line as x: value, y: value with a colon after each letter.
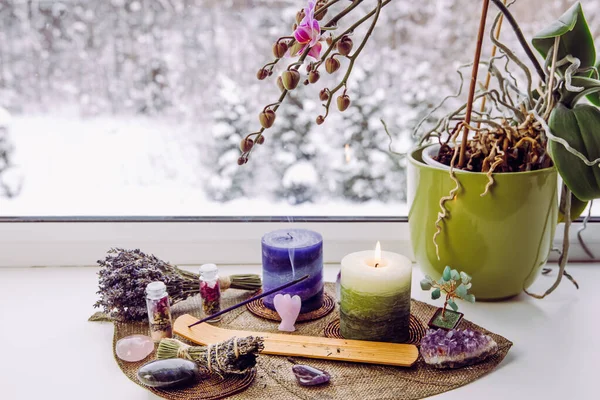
x: 134, y: 109
x: 137, y: 107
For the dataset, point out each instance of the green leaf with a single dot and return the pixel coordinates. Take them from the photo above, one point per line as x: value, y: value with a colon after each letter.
x: 575, y: 38
x: 594, y: 98
x: 461, y: 291
x: 446, y: 275
x: 455, y: 275
x: 465, y: 278
x: 580, y: 127
x: 470, y: 298
x: 452, y: 305
x: 436, y: 294
x: 425, y: 284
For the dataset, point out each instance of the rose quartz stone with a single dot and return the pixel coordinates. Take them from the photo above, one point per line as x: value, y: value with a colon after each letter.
x: 288, y: 309
x: 134, y: 348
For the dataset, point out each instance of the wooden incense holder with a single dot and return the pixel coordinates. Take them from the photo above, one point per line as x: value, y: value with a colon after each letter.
x: 400, y: 355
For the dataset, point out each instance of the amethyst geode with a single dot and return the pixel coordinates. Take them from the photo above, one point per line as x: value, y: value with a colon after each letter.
x: 456, y: 348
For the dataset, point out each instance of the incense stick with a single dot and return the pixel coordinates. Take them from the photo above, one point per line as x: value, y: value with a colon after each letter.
x: 243, y: 303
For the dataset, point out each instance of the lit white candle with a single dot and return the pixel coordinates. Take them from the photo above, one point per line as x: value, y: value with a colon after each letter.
x: 375, y: 296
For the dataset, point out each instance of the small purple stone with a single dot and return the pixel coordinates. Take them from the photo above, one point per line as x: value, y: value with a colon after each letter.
x: 310, y: 376
x: 456, y: 348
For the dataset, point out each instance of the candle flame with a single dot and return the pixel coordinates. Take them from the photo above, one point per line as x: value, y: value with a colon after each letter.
x: 378, y: 253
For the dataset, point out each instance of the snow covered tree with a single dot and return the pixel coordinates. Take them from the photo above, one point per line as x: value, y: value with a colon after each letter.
x: 294, y: 147
x: 225, y: 180
x: 366, y: 170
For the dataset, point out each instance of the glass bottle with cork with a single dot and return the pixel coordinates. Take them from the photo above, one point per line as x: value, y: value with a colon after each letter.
x: 159, y: 311
x: 210, y: 292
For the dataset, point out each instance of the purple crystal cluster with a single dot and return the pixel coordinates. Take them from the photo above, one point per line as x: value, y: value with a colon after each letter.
x: 456, y: 348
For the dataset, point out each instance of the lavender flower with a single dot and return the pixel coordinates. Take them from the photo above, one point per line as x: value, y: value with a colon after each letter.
x: 124, y: 275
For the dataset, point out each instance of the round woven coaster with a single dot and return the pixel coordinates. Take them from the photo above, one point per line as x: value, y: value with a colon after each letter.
x: 258, y: 308
x: 210, y: 389
x: 416, y: 330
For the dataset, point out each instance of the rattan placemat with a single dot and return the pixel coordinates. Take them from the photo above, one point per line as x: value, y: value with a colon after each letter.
x: 258, y: 308
x: 275, y: 380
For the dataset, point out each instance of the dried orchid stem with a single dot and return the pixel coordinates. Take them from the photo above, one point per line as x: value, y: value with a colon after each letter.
x: 444, y: 212
x: 480, y: 34
x: 564, y: 256
x: 509, y: 53
x: 582, y: 229
x: 520, y: 37
x: 551, y: 77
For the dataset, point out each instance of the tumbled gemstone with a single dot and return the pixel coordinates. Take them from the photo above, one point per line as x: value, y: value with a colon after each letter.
x: 310, y: 376
x: 456, y: 348
x: 134, y: 348
x: 170, y: 372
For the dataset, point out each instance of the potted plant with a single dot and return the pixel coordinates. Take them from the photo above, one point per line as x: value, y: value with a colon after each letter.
x: 491, y: 204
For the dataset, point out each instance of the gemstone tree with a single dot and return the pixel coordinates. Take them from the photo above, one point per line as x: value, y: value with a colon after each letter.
x: 288, y: 254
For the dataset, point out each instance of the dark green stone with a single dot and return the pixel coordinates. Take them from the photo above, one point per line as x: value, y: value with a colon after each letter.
x: 169, y: 373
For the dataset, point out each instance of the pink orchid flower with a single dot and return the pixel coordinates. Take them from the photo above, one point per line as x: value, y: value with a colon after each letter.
x: 308, y: 32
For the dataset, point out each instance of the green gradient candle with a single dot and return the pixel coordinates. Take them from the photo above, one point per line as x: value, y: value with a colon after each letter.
x: 375, y: 296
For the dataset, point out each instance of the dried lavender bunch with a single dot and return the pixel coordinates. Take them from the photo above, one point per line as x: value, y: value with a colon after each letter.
x: 233, y: 356
x: 124, y: 275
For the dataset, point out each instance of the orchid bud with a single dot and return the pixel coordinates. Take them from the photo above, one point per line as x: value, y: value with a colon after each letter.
x: 300, y: 16
x: 306, y: 82
x: 332, y: 65
x: 319, y: 16
x: 246, y: 145
x: 291, y: 79
x: 320, y: 119
x: 344, y: 46
x: 324, y: 95
x: 329, y: 40
x: 313, y: 76
x: 280, y: 83
x: 343, y: 102
x: 295, y: 49
x: 242, y: 160
x: 279, y: 49
x: 267, y: 118
x: 260, y: 139
x: 262, y: 74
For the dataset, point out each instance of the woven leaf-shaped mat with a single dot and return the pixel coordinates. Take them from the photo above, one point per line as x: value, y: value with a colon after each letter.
x: 273, y: 379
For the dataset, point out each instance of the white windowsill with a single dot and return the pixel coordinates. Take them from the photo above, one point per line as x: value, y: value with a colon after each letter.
x: 50, y: 350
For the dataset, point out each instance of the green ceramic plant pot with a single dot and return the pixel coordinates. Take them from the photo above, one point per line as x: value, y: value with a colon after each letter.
x: 502, y: 239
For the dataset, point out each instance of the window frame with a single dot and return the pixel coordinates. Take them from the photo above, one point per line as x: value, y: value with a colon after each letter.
x: 80, y: 241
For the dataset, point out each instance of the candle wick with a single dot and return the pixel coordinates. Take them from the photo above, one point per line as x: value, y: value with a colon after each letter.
x: 376, y: 265
x: 290, y: 235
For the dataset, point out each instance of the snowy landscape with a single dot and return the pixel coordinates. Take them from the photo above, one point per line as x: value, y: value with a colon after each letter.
x: 137, y: 107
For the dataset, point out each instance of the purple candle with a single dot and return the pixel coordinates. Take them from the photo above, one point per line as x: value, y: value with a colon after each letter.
x: 291, y: 253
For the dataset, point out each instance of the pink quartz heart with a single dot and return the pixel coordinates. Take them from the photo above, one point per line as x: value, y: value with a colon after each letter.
x: 134, y: 348
x: 288, y: 309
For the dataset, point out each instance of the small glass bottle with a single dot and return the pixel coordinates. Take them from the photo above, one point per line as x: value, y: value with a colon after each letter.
x: 210, y: 292
x: 159, y: 311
